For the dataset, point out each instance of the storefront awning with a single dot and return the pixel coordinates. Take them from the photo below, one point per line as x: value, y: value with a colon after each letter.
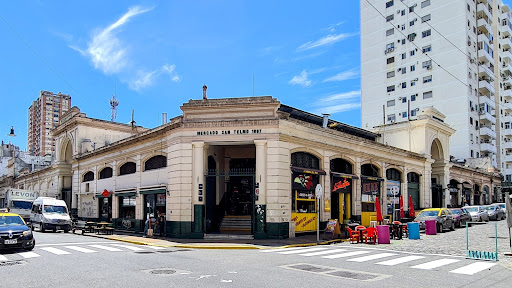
x: 343, y: 175
x: 125, y: 194
x: 153, y: 191
x: 372, y: 178
x: 308, y: 171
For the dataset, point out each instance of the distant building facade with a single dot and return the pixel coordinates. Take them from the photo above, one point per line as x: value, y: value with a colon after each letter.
x: 43, y: 115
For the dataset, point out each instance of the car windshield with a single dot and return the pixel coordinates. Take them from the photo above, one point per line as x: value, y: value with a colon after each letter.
x: 472, y: 209
x: 457, y: 212
x: 428, y: 213
x: 11, y: 221
x: 491, y: 208
x: 55, y: 209
x: 21, y: 204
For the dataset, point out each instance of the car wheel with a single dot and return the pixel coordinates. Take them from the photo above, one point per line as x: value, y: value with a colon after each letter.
x: 31, y: 247
x: 480, y: 219
x: 41, y: 227
x: 32, y: 226
x: 440, y: 228
x: 453, y: 227
x: 67, y: 231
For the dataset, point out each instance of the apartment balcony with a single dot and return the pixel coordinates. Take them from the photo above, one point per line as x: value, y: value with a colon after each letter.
x: 486, y: 117
x: 485, y: 71
x: 506, y: 55
x: 486, y: 87
x: 506, y: 43
x: 484, y: 56
x: 507, y: 106
x: 487, y: 100
x: 507, y: 158
x: 506, y: 68
x: 506, y: 144
x: 487, y: 132
x: 507, y: 94
x: 483, y: 25
x: 505, y: 30
x: 488, y: 147
x: 506, y: 132
x: 507, y: 81
x: 482, y: 10
x: 482, y: 37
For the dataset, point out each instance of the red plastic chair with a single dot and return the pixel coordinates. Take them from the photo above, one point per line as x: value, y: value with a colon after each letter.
x: 370, y: 233
x: 354, y: 235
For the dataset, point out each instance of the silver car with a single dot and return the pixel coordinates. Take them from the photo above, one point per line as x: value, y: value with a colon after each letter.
x: 478, y: 213
x: 495, y: 212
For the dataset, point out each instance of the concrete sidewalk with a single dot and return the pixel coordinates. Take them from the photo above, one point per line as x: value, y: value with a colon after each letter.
x: 304, y: 240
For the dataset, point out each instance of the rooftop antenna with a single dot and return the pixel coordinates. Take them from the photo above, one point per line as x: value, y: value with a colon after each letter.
x: 133, y: 121
x: 113, y: 104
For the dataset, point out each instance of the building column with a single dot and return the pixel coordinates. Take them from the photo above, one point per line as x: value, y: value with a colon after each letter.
x: 260, y: 187
x: 198, y: 187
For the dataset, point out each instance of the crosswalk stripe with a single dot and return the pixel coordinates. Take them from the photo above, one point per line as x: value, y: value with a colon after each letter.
x: 371, y: 257
x: 55, y: 251
x: 303, y: 250
x: 111, y: 249
x: 80, y: 249
x: 400, y: 260
x: 155, y: 247
x: 435, y: 264
x: 133, y: 248
x: 281, y: 249
x: 345, y: 254
x: 473, y: 268
x: 3, y: 258
x: 323, y: 252
x: 29, y: 254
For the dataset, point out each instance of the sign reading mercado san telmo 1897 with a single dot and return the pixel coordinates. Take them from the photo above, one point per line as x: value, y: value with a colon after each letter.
x: 229, y: 132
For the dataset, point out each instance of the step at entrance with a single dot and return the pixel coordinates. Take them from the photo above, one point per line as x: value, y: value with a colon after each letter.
x: 232, y: 223
x: 228, y: 237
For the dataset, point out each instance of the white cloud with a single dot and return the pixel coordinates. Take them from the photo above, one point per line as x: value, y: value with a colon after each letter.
x: 301, y: 79
x: 327, y: 40
x: 337, y: 108
x: 351, y: 95
x: 170, y: 69
x: 345, y: 75
x: 144, y: 79
x: 106, y: 50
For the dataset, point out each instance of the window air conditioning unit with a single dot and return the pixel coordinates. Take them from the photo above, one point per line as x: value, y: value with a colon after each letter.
x: 399, y: 69
x: 417, y: 109
x: 399, y: 98
x: 398, y: 12
x: 400, y: 114
x: 429, y: 67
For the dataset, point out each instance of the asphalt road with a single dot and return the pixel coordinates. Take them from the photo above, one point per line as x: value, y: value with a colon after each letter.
x: 67, y: 260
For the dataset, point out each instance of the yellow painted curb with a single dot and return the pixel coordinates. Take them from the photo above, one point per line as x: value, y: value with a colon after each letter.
x: 216, y: 247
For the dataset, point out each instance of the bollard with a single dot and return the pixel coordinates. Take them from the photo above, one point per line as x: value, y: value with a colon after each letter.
x: 414, y: 230
x: 383, y: 234
x: 430, y: 227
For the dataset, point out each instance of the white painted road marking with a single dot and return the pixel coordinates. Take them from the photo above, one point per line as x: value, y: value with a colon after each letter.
x: 29, y: 254
x: 435, y: 264
x: 345, y: 254
x: 400, y: 260
x: 371, y: 257
x: 303, y: 250
x: 111, y: 249
x: 281, y: 249
x: 55, y: 250
x: 473, y: 268
x: 323, y: 252
x: 133, y: 248
x: 155, y: 247
x: 81, y: 249
x: 3, y: 258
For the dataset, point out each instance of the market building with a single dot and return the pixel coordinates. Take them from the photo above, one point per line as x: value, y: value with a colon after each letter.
x: 247, y: 166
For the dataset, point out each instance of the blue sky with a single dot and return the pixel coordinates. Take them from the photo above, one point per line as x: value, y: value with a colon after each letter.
x: 159, y: 55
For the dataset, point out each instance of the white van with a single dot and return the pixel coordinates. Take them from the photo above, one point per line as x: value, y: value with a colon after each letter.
x: 50, y: 214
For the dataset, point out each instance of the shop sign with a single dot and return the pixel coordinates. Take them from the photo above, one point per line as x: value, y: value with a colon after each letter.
x: 304, y: 221
x: 393, y: 188
x: 304, y: 181
x: 341, y: 185
x: 229, y: 132
x: 105, y: 193
x: 370, y: 186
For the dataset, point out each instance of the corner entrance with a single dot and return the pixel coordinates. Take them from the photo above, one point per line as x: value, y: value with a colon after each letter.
x: 229, y: 191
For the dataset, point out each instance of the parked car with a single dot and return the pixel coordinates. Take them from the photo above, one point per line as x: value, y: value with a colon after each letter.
x: 495, y: 212
x: 503, y: 207
x: 460, y: 217
x: 14, y: 232
x: 443, y: 217
x: 50, y: 214
x: 478, y: 213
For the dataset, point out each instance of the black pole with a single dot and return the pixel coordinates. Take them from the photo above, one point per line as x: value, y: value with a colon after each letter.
x: 509, y: 239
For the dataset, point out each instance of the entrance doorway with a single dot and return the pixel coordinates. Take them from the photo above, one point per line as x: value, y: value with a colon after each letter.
x: 437, y: 194
x: 105, y: 205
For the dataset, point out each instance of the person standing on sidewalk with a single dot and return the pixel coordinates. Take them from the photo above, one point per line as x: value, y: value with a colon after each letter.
x: 161, y: 223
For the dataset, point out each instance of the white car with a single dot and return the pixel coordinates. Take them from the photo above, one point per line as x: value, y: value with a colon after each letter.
x: 478, y: 213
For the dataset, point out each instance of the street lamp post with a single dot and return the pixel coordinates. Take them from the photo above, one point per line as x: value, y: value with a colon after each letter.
x: 11, y: 134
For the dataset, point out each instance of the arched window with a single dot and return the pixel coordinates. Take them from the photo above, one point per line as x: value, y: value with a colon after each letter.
x: 393, y: 174
x: 89, y: 176
x: 106, y: 173
x: 369, y: 170
x: 413, y: 177
x: 127, y: 168
x: 341, y: 166
x: 155, y: 162
x: 305, y: 160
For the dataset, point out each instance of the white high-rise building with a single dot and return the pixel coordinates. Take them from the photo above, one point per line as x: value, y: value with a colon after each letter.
x: 453, y: 55
x: 448, y: 54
